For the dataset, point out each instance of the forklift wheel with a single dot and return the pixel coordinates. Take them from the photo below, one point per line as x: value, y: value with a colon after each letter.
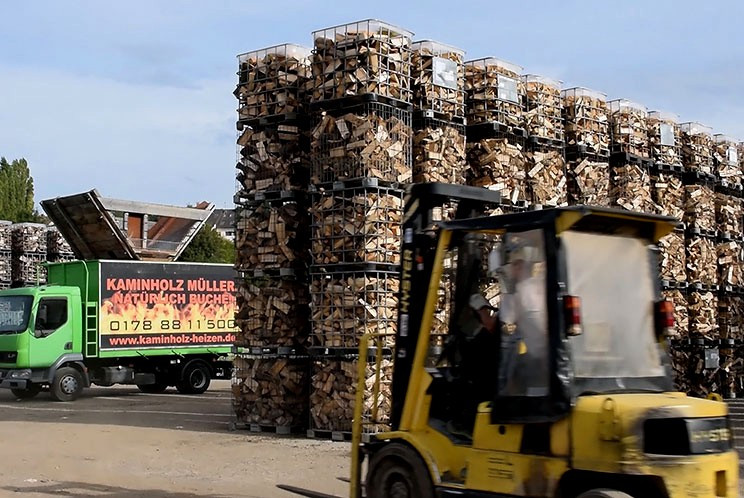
x: 604, y: 493
x: 397, y: 471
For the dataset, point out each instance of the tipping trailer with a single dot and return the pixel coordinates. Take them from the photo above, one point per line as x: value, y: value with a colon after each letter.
x: 101, y: 322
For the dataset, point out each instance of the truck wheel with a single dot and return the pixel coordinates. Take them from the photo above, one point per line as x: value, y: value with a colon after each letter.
x: 195, y: 379
x: 397, y: 471
x: 604, y: 493
x: 28, y: 393
x: 66, y: 385
x: 157, y: 388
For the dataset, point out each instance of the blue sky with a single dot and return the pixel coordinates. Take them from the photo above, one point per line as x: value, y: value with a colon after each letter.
x: 135, y: 98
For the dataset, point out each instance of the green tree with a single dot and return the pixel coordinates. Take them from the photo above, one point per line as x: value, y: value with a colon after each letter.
x: 208, y: 246
x: 16, y: 191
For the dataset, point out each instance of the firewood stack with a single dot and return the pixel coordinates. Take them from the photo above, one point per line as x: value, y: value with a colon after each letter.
x: 703, y: 309
x: 438, y: 76
x: 630, y: 186
x: 498, y: 164
x: 664, y: 140
x: 730, y: 264
x: 6, y: 235
x: 731, y: 317
x: 629, y: 128
x: 58, y: 249
x: 702, y: 261
x: 668, y: 193
x: 726, y: 161
x: 29, y: 251
x: 673, y: 260
x: 700, y: 208
x: 729, y: 215
x: 271, y: 393
x: 697, y: 147
x: 678, y: 297
x: 494, y: 93
x: 5, y: 254
x: 364, y: 57
x: 586, y: 124
x: 333, y: 392
x: 271, y: 81
x: 692, y: 373
x: 544, y: 109
x: 546, y: 176
x: 272, y: 240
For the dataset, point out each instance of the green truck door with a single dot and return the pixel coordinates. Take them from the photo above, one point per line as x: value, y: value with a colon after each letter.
x: 52, y: 331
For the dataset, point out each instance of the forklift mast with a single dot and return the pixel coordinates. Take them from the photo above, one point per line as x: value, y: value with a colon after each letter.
x: 420, y: 238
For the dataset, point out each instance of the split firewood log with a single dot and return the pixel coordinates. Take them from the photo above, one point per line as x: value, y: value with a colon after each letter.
x: 498, y: 164
x: 272, y: 236
x: 700, y: 207
x: 730, y: 261
x: 681, y: 315
x: 672, y: 257
x: 272, y: 158
x: 271, y: 391
x: 439, y: 153
x: 438, y: 78
x: 588, y: 182
x: 702, y: 261
x: 726, y: 160
x: 630, y: 188
x: 697, y: 147
x: 271, y: 81
x: 356, y: 225
x: 372, y: 141
x: 703, y: 309
x: 272, y: 312
x: 546, y: 178
x: 664, y: 138
x: 359, y: 58
x: 345, y: 306
x: 729, y: 214
x: 28, y: 238
x: 668, y: 195
x: 494, y: 92
x: 333, y: 394
x: 586, y: 120
x: 544, y: 107
x: 628, y: 127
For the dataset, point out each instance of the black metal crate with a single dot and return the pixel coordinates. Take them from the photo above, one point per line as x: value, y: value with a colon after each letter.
x: 439, y: 151
x: 364, y: 140
x: 356, y: 225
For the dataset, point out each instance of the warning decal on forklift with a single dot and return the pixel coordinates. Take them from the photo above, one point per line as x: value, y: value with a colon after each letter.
x: 166, y: 305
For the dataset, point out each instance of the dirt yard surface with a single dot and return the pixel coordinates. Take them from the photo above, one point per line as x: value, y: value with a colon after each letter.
x: 117, y: 442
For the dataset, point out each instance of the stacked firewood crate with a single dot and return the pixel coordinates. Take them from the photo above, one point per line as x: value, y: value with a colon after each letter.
x: 271, y: 367
x: 630, y: 162
x: 496, y: 134
x: 546, y: 159
x: 587, y: 139
x: 366, y: 78
x: 58, y: 249
x: 29, y: 253
x: 5, y: 254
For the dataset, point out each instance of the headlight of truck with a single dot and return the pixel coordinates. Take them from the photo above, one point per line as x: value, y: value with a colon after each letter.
x: 20, y: 374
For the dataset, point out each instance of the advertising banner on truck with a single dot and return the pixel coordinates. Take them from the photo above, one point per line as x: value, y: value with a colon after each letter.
x: 169, y: 305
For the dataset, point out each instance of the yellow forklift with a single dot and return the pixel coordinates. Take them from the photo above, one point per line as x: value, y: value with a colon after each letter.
x: 554, y: 379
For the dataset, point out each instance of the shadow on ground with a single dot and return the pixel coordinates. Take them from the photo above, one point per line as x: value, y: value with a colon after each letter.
x: 87, y: 489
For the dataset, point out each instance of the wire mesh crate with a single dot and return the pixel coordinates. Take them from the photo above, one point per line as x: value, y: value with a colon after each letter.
x: 5, y: 267
x: 697, y: 147
x: 730, y: 269
x: 271, y: 81
x: 271, y: 392
x: 703, y: 310
x: 630, y: 187
x: 696, y: 368
x: 498, y: 164
x: 729, y: 216
x: 5, y: 235
x: 368, y: 56
x: 628, y: 127
x: 700, y: 208
x: 367, y: 140
x: 673, y: 259
x: 731, y: 316
x: 272, y: 312
x: 702, y: 261
x: 588, y: 182
x: 726, y: 160
x: 681, y: 315
x: 272, y: 234
x: 586, y: 121
x: 664, y: 138
x: 668, y: 194
x: 333, y: 391
x: 438, y: 151
x: 544, y: 108
x: 56, y: 243
x: 273, y: 157
x: 438, y: 78
x: 546, y: 177
x: 494, y: 92
x: 356, y: 225
x: 28, y: 268
x: 28, y: 238
x: 346, y: 304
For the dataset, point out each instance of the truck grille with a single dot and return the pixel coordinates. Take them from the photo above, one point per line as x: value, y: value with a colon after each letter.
x: 687, y: 436
x: 8, y: 356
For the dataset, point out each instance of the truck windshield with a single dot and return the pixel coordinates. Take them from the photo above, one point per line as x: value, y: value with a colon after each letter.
x: 614, y: 278
x: 14, y: 313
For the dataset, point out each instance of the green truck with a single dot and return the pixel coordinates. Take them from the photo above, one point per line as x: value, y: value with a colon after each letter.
x: 154, y: 325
